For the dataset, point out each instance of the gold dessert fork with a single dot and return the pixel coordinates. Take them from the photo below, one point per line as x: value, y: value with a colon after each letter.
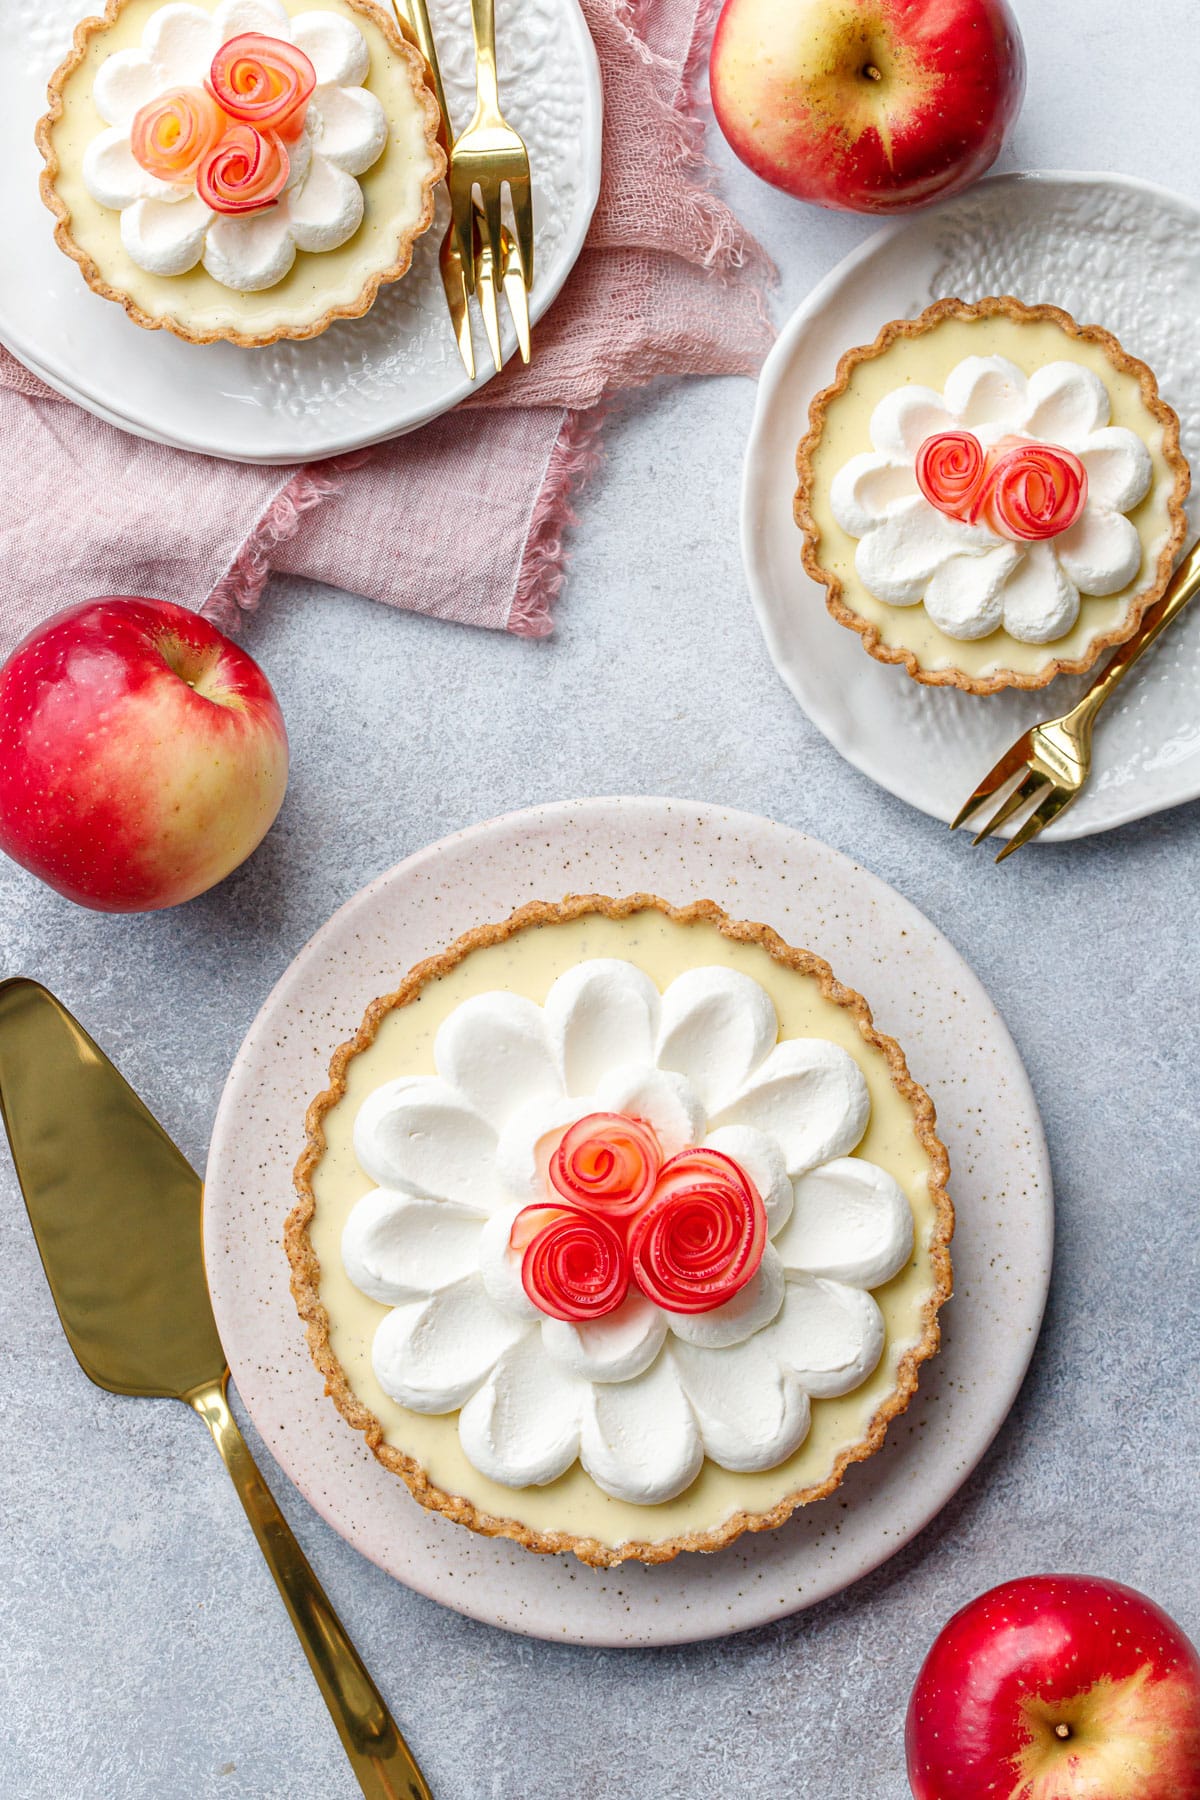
x: 1054, y: 759
x: 459, y: 277
x: 490, y: 155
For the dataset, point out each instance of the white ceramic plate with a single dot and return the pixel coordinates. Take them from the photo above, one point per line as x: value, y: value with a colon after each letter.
x: 920, y: 990
x: 361, y: 381
x: 1114, y: 252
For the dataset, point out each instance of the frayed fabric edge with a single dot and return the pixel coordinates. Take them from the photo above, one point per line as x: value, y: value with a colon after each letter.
x: 240, y: 588
x: 574, y: 458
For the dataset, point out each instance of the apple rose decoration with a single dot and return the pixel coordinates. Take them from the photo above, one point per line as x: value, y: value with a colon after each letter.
x: 624, y: 1227
x: 997, y: 502
x: 234, y: 138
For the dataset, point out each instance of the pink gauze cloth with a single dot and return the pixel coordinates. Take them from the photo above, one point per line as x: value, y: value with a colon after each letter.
x: 668, y: 283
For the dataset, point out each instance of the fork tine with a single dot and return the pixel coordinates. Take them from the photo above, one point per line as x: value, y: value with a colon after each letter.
x: 516, y: 293
x: 520, y: 193
x: 455, y: 287
x: 1056, y: 801
x: 494, y: 224
x: 1025, y: 790
x: 1014, y: 758
x: 462, y: 208
x: 485, y: 293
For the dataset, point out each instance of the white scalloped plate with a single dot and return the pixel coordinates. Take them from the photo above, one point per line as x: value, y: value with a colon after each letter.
x: 1114, y: 252
x: 920, y: 990
x: 361, y: 381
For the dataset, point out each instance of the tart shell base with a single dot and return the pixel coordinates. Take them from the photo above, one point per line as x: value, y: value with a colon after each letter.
x: 1002, y: 306
x: 306, y: 1271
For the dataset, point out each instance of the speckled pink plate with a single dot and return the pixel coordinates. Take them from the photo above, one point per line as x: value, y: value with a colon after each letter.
x: 920, y: 990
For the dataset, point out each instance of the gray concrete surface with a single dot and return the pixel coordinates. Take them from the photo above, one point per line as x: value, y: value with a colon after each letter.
x: 145, y: 1654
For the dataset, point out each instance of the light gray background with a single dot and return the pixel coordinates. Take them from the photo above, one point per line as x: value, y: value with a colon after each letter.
x: 145, y: 1653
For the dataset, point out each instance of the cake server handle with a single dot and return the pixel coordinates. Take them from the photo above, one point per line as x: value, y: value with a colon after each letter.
x: 383, y: 1763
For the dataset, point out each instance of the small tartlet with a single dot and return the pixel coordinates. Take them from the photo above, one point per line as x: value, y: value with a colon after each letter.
x: 1104, y: 621
x: 390, y: 265
x: 306, y: 1269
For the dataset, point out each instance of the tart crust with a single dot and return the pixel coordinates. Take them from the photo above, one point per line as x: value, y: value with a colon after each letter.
x: 400, y: 41
x: 1005, y: 306
x: 306, y: 1271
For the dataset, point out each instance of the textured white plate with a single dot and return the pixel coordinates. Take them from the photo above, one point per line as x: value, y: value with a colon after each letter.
x: 1114, y: 252
x: 920, y: 990
x: 361, y: 381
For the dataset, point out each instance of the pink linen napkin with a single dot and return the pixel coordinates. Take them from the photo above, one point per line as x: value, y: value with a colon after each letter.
x: 668, y: 283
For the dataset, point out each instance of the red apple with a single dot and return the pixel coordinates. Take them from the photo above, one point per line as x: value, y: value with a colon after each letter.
x: 142, y: 754
x: 1057, y: 1687
x: 867, y: 105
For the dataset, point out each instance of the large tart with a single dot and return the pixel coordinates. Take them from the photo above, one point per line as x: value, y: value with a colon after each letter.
x: 991, y: 494
x: 246, y: 170
x: 621, y: 1229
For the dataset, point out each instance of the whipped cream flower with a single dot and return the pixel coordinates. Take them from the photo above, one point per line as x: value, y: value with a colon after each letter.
x: 639, y: 1394
x: 979, y: 573
x: 317, y: 129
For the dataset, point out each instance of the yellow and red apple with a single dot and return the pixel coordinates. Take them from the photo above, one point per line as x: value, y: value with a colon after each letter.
x: 143, y: 755
x: 1057, y: 1687
x: 867, y: 105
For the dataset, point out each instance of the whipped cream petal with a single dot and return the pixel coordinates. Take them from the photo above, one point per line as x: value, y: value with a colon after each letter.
x: 810, y: 1096
x: 1066, y: 403
x: 899, y: 554
x: 1102, y: 551
x: 422, y: 1136
x: 869, y: 488
x: 716, y: 1025
x: 166, y: 236
x: 353, y: 127
x: 763, y: 1161
x: 530, y: 1138
x: 433, y: 1354
x: 494, y: 1049
x: 500, y: 1265
x: 1041, y: 602
x: 617, y: 1348
x: 233, y: 18
x: 328, y: 207
x: 1119, y: 468
x: 851, y: 1222
x: 987, y: 394
x: 639, y: 1440
x: 904, y: 418
x: 335, y: 48
x: 125, y: 82
x: 750, y: 1309
x: 396, y: 1247
x: 522, y: 1426
x: 965, y: 596
x: 251, y: 252
x: 115, y: 178
x: 830, y: 1336
x: 600, y: 1013
x: 661, y: 1098
x: 751, y: 1413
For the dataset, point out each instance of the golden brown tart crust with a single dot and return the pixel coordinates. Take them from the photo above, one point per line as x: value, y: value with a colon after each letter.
x: 306, y: 1272
x: 1004, y: 306
x: 402, y: 45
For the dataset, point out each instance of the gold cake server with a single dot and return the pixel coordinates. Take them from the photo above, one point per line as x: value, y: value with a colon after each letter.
x: 115, y: 1209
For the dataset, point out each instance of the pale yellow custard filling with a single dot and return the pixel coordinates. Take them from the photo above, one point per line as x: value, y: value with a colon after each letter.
x: 527, y: 963
x: 393, y: 194
x: 927, y: 360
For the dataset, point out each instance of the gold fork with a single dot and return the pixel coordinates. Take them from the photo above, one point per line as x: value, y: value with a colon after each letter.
x: 489, y: 155
x: 1056, y: 756
x: 414, y: 14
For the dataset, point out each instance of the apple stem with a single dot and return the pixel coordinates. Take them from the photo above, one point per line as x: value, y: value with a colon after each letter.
x: 871, y: 73
x: 1062, y: 1731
